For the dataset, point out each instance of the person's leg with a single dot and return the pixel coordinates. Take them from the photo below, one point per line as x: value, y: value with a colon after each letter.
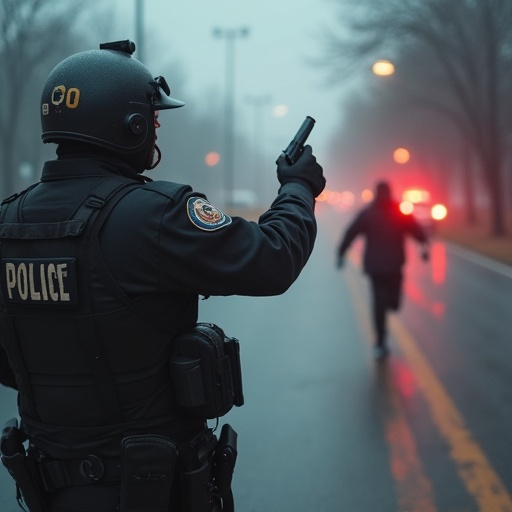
x: 379, y: 293
x: 395, y: 291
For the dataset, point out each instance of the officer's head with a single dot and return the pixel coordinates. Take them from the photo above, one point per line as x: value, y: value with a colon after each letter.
x: 107, y: 99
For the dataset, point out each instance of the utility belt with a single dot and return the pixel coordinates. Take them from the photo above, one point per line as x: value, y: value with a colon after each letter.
x: 206, y: 373
x: 155, y: 474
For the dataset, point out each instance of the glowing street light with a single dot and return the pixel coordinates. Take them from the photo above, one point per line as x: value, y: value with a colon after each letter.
x: 383, y: 67
x: 401, y: 155
x: 280, y: 110
x: 212, y: 159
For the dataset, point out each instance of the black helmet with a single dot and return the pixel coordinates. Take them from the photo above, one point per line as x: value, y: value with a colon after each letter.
x: 106, y: 98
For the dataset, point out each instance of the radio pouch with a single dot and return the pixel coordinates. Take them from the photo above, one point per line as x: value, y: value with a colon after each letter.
x: 206, y: 372
x: 147, y: 471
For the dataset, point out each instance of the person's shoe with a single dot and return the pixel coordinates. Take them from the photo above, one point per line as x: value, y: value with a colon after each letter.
x: 381, y: 351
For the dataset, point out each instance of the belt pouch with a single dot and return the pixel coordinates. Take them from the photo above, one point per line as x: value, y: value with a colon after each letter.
x: 147, y: 472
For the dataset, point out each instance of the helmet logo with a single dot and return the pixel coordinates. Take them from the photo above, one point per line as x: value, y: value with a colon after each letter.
x: 72, y: 96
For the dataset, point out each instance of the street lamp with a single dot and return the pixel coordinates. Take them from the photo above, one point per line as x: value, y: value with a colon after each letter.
x: 401, y: 155
x: 383, y: 67
x: 230, y: 35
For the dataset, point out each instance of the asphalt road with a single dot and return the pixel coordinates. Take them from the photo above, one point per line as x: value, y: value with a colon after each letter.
x: 326, y: 428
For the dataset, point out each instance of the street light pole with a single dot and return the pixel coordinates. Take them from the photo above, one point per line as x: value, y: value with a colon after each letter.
x: 139, y: 29
x: 230, y: 35
x: 258, y: 102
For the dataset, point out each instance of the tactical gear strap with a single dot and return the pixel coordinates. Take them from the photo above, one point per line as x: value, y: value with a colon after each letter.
x: 97, y: 207
x: 100, y: 265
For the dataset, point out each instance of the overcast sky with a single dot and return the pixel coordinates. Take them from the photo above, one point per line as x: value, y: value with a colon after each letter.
x: 269, y: 61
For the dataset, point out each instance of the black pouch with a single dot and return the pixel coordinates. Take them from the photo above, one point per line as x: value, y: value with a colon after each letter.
x: 206, y: 372
x: 147, y: 472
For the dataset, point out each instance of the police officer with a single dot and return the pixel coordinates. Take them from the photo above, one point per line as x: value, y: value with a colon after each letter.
x: 101, y: 268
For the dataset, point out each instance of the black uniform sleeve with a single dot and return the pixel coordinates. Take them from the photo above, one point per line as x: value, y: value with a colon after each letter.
x: 243, y: 257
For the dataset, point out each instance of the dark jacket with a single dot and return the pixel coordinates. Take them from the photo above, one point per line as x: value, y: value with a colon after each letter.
x: 160, y: 248
x: 384, y: 228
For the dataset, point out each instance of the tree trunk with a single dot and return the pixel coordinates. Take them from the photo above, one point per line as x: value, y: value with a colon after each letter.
x: 468, y: 176
x: 497, y: 210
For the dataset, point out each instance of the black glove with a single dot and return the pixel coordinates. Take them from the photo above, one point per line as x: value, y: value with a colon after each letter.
x: 305, y: 170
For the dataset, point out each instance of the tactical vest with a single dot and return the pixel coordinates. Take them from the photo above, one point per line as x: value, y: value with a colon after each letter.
x: 90, y: 362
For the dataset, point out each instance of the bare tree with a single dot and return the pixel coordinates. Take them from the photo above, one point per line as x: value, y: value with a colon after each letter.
x: 470, y: 44
x: 33, y: 33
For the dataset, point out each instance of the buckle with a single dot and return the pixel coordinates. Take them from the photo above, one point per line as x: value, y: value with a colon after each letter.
x: 92, y: 468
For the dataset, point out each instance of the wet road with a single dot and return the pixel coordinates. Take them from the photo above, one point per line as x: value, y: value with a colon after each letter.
x: 326, y: 428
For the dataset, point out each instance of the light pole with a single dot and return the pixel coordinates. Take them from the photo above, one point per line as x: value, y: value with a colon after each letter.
x: 139, y: 29
x: 258, y: 102
x: 230, y: 35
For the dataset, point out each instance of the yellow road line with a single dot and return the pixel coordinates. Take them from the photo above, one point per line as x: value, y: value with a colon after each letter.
x: 480, y: 479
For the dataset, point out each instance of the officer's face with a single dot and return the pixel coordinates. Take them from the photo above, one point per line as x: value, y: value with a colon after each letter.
x: 155, y: 150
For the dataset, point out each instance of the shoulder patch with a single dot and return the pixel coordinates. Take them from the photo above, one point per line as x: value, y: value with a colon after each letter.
x: 205, y: 216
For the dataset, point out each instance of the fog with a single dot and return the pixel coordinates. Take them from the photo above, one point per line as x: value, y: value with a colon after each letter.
x: 275, y: 85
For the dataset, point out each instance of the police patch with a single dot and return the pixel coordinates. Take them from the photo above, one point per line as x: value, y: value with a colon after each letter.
x: 40, y: 281
x: 205, y: 216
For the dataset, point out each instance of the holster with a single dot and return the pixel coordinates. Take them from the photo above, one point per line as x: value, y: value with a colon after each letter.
x: 207, y: 467
x: 195, y: 457
x: 22, y: 468
x: 147, y: 472
x: 224, y: 460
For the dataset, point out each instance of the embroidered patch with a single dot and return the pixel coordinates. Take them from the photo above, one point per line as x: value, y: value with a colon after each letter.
x: 205, y: 216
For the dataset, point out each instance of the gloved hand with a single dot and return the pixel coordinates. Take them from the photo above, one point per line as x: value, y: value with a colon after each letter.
x: 305, y: 170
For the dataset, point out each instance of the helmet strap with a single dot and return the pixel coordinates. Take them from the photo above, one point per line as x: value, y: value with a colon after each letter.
x: 158, y: 158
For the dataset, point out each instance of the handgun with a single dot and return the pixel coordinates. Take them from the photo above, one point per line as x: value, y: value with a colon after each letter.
x: 296, y: 146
